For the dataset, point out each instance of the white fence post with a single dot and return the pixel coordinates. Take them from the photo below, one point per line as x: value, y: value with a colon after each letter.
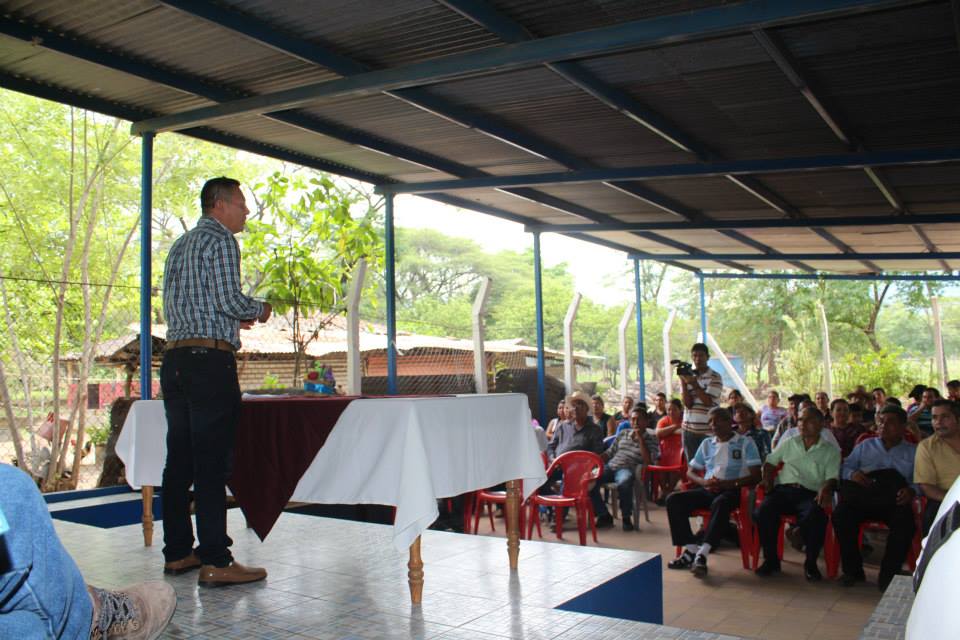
x: 622, y: 338
x: 827, y: 363
x: 667, y: 369
x: 728, y: 367
x: 569, y: 372
x: 354, y: 370
x: 479, y: 358
x: 938, y: 343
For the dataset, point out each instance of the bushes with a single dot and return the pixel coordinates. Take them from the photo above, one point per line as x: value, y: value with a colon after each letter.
x: 884, y: 368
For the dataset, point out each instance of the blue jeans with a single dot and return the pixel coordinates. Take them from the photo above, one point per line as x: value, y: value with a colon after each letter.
x: 624, y: 480
x: 42, y: 592
x: 201, y: 398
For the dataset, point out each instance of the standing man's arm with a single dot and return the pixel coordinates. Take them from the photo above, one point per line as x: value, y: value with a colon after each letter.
x: 225, y: 278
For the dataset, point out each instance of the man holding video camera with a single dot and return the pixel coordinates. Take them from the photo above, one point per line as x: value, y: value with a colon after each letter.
x: 701, y: 389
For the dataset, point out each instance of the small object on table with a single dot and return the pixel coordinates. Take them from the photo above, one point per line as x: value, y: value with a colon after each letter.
x: 320, y: 380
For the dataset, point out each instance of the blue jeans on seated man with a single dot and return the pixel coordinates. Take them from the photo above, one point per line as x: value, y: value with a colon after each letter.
x: 42, y: 593
x: 624, y: 479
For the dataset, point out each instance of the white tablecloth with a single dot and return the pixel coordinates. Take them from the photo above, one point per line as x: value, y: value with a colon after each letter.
x: 404, y: 452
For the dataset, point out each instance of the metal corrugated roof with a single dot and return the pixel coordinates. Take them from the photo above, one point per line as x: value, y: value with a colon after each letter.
x: 864, y: 76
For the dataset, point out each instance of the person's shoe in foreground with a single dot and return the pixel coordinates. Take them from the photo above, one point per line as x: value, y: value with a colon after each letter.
x: 138, y: 612
x: 767, y: 569
x: 683, y: 561
x: 183, y: 565
x: 849, y: 580
x: 604, y: 522
x: 699, y: 568
x: 233, y: 573
x: 627, y: 523
x: 811, y: 572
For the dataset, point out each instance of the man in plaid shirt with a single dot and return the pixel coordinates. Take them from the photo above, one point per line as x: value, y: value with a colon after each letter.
x: 205, y: 311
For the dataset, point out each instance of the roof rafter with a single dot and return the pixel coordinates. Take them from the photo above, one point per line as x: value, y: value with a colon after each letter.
x: 900, y: 256
x: 782, y: 57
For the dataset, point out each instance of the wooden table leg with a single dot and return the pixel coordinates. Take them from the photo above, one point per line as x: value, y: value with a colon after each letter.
x: 415, y: 572
x: 147, y: 516
x: 513, y: 523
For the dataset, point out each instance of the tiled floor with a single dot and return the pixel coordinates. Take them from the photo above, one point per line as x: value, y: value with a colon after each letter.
x: 734, y: 601
x: 336, y: 579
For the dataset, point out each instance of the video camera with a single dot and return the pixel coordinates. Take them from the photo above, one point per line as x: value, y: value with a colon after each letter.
x: 683, y: 368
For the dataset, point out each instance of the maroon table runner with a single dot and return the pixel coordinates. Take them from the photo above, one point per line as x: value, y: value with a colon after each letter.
x: 276, y: 441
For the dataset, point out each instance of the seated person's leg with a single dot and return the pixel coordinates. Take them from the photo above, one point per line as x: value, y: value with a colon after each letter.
x: 604, y: 519
x: 929, y: 516
x: 679, y: 507
x: 624, y: 479
x: 767, y: 517
x: 846, y: 525
x: 902, y: 527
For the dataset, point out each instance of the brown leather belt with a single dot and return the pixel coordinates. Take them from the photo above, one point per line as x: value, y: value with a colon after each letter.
x: 208, y: 343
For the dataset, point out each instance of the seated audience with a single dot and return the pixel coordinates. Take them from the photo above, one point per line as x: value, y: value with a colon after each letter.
x: 744, y: 420
x: 43, y: 594
x: 577, y: 432
x: 623, y: 413
x: 937, y: 464
x: 804, y: 488
x: 772, y: 413
x: 915, y: 395
x: 600, y: 417
x: 733, y: 398
x: 845, y: 429
x: 728, y: 462
x: 791, y: 419
x: 794, y: 432
x: 633, y: 447
x: 876, y: 477
x: 659, y: 408
x: 921, y: 418
x: 561, y: 416
x: 625, y: 425
x: 822, y: 402
x: 953, y: 391
x: 671, y: 423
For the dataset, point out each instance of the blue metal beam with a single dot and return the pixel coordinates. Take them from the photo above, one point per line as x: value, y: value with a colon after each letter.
x: 538, y: 306
x: 901, y: 256
x: 693, y: 170
x: 638, y: 294
x: 652, y: 32
x: 703, y: 309
x: 766, y: 223
x: 146, y: 258
x: 879, y: 277
x: 391, y: 295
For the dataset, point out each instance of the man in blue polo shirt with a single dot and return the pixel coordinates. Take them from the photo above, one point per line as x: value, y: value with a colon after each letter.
x: 728, y: 461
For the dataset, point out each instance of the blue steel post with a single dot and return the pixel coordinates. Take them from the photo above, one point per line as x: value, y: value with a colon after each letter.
x: 640, y: 360
x: 541, y: 361
x: 703, y: 310
x: 146, y: 257
x: 391, y: 286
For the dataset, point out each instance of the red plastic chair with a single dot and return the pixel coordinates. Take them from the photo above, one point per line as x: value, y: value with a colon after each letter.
x: 581, y: 470
x: 671, y: 461
x: 919, y: 503
x: 742, y: 517
x: 484, y: 498
x: 829, y: 543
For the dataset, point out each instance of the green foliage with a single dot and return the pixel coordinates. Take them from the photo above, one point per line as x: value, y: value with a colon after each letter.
x: 271, y: 381
x: 882, y: 368
x: 800, y: 365
x: 98, y: 434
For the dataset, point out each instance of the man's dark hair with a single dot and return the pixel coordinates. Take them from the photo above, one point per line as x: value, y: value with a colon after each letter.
x: 700, y: 347
x: 743, y: 406
x: 894, y: 410
x: 676, y: 403
x: 953, y: 384
x: 661, y: 394
x: 813, y: 411
x: 856, y: 407
x: 917, y: 392
x: 639, y: 408
x: 797, y: 398
x: 597, y: 396
x: 953, y: 406
x: 884, y: 391
x: 933, y: 390
x: 894, y: 401
x: 720, y: 412
x: 836, y: 401
x: 216, y: 189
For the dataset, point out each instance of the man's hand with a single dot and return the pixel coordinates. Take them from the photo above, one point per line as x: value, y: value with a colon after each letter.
x: 862, y: 479
x: 825, y: 496
x: 246, y: 324
x: 687, y: 379
x: 267, y: 310
x: 904, y: 496
x: 768, y: 484
x: 713, y: 485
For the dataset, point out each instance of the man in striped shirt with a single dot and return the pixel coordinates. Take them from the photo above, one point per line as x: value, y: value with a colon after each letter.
x: 701, y: 392
x: 205, y: 310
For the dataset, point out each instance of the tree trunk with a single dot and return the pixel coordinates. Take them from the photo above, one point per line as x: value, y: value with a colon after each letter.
x: 12, y: 420
x: 772, y: 375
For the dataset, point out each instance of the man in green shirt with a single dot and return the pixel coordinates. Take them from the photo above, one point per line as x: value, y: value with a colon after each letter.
x: 803, y: 487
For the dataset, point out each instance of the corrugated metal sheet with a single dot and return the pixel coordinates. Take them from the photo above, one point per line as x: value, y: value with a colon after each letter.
x: 892, y: 78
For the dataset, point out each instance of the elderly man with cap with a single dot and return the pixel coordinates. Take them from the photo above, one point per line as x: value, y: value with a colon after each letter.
x: 728, y: 461
x: 577, y: 432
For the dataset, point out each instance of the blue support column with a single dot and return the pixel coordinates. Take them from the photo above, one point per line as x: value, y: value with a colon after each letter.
x: 391, y: 291
x: 703, y: 309
x: 639, y: 306
x: 146, y: 257
x: 541, y: 361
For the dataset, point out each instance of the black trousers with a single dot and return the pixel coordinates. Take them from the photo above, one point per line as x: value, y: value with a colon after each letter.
x: 201, y: 398
x: 798, y: 501
x: 681, y: 504
x: 846, y: 523
x: 929, y: 516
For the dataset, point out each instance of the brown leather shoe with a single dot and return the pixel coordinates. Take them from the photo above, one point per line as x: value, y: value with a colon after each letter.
x: 138, y: 612
x: 182, y: 565
x: 233, y: 573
